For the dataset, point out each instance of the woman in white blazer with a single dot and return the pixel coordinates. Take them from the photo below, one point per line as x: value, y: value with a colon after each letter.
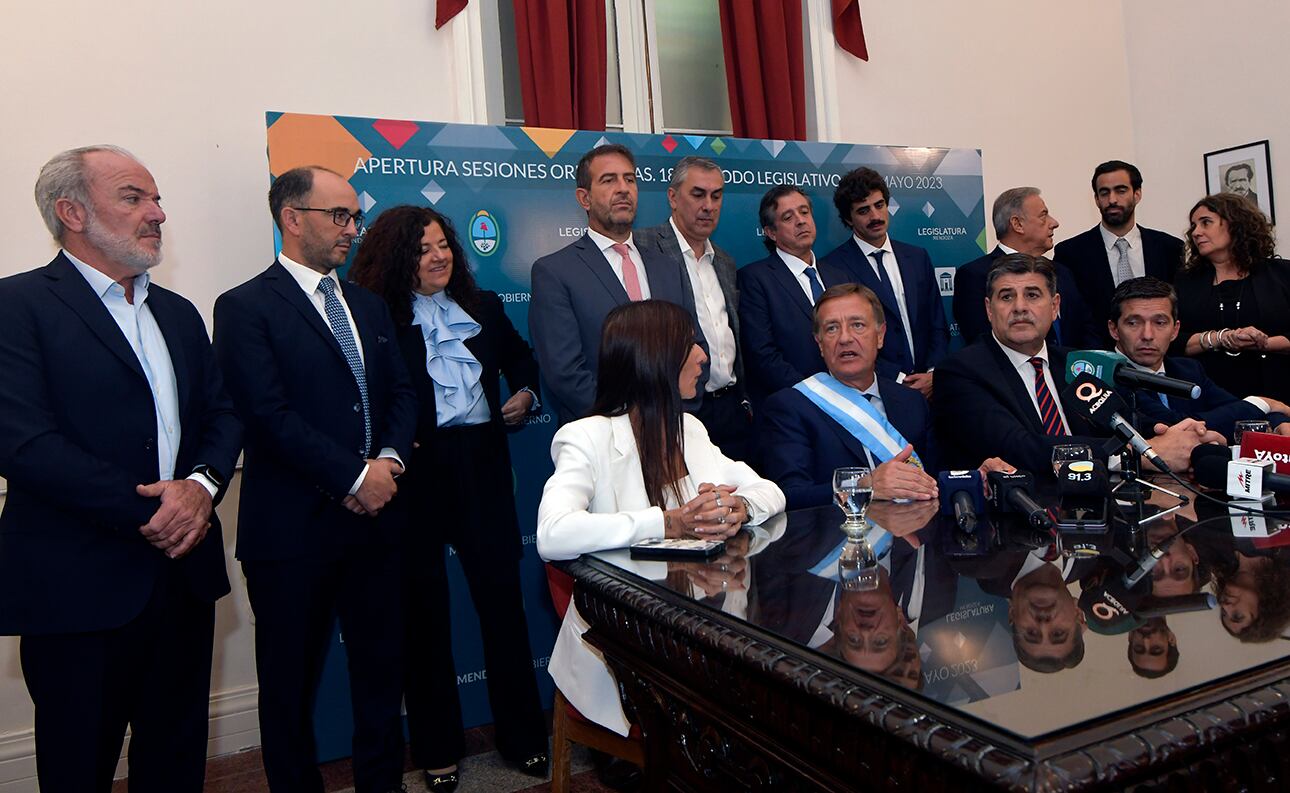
x: 638, y: 468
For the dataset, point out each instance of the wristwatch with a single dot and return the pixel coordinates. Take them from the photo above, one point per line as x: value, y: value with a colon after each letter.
x: 210, y: 475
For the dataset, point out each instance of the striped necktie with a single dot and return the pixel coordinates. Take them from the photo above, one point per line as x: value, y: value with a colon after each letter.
x: 349, y: 346
x: 1048, y: 412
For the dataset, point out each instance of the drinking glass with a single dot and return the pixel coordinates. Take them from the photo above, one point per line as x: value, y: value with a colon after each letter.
x: 858, y: 566
x: 1070, y: 452
x: 1241, y: 427
x: 853, y: 489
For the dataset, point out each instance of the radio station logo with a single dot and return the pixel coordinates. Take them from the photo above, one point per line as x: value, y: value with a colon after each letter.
x: 1084, y: 367
x: 484, y: 233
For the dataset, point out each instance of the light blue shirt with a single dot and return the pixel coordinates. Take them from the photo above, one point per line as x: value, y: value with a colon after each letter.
x: 144, y: 337
x: 454, y: 370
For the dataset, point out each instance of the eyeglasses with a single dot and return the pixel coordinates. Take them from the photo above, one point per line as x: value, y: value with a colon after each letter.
x: 341, y: 217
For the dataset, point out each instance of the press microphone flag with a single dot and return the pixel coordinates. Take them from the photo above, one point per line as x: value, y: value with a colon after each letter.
x: 1093, y: 399
x: 1114, y: 367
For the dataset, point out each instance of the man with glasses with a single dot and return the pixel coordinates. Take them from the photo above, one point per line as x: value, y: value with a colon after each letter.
x: 315, y: 372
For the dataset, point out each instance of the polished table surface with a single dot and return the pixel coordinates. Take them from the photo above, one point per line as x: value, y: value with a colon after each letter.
x: 1015, y: 637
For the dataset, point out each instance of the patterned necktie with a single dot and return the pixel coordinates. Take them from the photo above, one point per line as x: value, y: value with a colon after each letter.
x: 631, y: 280
x: 1123, y: 271
x: 816, y: 289
x: 1048, y: 413
x: 349, y: 346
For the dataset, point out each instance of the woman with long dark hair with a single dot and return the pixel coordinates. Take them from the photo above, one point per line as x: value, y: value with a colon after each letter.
x: 1234, y: 298
x: 457, y: 340
x: 638, y: 468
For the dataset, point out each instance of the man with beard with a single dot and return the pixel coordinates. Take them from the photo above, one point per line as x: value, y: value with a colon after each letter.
x: 117, y: 440
x: 1117, y: 249
x: 314, y: 369
x: 577, y: 286
x: 900, y: 274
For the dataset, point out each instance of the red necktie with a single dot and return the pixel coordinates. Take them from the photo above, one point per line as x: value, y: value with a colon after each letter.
x: 1048, y: 413
x: 631, y: 281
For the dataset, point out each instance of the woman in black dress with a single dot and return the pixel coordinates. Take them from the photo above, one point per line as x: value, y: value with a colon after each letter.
x: 1234, y: 298
x: 456, y: 340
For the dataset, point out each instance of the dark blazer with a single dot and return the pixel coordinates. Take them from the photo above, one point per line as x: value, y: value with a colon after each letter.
x: 983, y: 410
x: 1085, y: 256
x: 77, y: 434
x: 303, y: 414
x: 1218, y: 408
x: 922, y: 299
x: 802, y: 445
x: 662, y: 239
x: 573, y: 290
x: 1079, y: 330
x: 775, y: 324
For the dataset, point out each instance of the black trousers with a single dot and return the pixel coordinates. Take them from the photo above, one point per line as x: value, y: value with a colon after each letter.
x: 729, y: 425
x: 153, y: 673
x: 463, y: 496
x: 296, y: 602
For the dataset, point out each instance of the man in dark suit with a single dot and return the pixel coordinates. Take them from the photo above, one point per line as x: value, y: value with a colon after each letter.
x: 777, y: 295
x: 316, y: 374
x: 902, y: 276
x: 1022, y: 225
x: 1144, y: 321
x: 1117, y: 249
x: 1239, y: 179
x: 117, y: 439
x: 695, y: 197
x: 1002, y: 394
x: 575, y: 287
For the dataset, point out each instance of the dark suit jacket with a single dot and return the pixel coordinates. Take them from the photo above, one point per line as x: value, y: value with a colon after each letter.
x: 78, y: 432
x: 1218, y: 408
x: 802, y: 445
x: 983, y: 410
x: 573, y: 290
x: 775, y: 324
x: 1078, y: 327
x: 1085, y: 256
x: 303, y: 414
x: 922, y: 299
x: 662, y: 239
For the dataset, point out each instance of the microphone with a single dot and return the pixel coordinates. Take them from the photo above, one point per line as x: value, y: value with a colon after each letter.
x: 1085, y: 492
x: 1083, y: 478
x: 962, y: 496
x: 1115, y: 367
x: 1153, y: 606
x: 1246, y: 478
x: 1010, y: 492
x: 1147, y: 563
x: 1093, y: 399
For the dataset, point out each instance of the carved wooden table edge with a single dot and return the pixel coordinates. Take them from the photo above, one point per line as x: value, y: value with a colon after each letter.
x: 705, y: 690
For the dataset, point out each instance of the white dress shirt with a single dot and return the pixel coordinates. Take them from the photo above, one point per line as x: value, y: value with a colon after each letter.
x: 1026, y: 371
x: 798, y: 268
x: 710, y: 305
x: 308, y: 280
x: 890, y: 274
x: 606, y: 247
x: 1136, y: 261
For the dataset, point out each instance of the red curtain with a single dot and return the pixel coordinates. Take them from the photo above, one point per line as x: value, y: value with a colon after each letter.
x: 764, y: 68
x: 446, y: 10
x: 562, y: 53
x: 847, y: 30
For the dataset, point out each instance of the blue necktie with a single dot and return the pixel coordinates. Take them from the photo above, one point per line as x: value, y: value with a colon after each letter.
x: 349, y: 346
x: 816, y: 289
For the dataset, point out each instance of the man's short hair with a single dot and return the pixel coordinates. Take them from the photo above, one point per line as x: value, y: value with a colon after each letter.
x: 1021, y: 264
x: 1171, y: 663
x: 583, y: 174
x: 855, y: 186
x: 1240, y: 166
x: 766, y: 211
x: 64, y: 177
x: 1111, y: 166
x: 683, y: 166
x: 1048, y: 664
x: 846, y: 290
x: 1145, y: 288
x: 1007, y: 206
x: 292, y: 188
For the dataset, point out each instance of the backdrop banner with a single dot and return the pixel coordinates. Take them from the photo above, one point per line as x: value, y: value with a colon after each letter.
x: 510, y: 193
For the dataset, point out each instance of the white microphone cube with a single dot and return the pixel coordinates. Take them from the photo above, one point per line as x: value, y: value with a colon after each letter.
x: 1245, y: 479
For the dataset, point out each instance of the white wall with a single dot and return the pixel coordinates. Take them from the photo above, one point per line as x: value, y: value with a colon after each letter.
x: 1203, y: 81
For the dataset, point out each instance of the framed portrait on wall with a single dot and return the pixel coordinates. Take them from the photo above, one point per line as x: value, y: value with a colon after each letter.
x: 1245, y: 170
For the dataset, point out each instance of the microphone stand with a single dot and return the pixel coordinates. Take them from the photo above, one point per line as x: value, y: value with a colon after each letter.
x: 1131, y: 485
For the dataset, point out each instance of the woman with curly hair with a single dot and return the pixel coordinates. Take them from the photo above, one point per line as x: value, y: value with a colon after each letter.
x: 457, y: 341
x: 1254, y: 596
x: 1234, y: 298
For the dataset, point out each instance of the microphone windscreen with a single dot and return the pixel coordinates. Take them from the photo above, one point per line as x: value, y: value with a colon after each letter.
x: 1092, y: 399
x: 951, y: 482
x: 1209, y: 464
x: 1098, y: 363
x: 1083, y: 478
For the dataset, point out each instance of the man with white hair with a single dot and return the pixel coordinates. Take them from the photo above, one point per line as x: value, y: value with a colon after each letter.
x: 116, y: 440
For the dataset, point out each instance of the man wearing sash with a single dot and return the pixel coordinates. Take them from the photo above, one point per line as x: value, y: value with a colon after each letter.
x: 847, y: 415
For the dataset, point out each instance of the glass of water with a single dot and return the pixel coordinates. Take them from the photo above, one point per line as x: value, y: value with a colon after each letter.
x: 1070, y: 452
x: 853, y: 489
x: 858, y: 566
x: 1241, y: 427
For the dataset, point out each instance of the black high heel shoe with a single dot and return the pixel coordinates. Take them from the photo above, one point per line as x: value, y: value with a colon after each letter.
x: 441, y: 783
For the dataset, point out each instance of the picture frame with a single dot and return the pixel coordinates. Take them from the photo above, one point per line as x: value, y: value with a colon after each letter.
x: 1244, y: 169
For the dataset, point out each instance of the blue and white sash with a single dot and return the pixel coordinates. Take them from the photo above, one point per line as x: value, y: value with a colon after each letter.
x: 848, y: 407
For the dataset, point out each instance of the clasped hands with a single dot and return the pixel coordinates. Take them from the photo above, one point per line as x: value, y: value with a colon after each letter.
x: 1246, y: 338
x: 182, y: 519
x: 377, y: 489
x: 714, y: 514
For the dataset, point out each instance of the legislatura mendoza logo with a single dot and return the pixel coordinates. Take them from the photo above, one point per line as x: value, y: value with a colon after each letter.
x: 484, y: 233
